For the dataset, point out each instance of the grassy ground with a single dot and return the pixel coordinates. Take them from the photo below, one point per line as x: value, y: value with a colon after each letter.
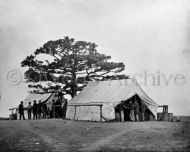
x: 58, y: 135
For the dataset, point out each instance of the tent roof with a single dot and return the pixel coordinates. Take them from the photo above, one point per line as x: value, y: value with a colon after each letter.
x: 45, y: 97
x: 35, y: 96
x: 112, y: 91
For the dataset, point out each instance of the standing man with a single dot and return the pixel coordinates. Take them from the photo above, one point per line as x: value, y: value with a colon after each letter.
x: 60, y: 94
x: 39, y: 110
x: 132, y: 116
x: 122, y: 111
x: 126, y: 109
x: 65, y: 109
x: 44, y: 111
x: 48, y: 112
x: 143, y: 108
x: 21, y: 110
x: 34, y: 108
x: 29, y: 109
x: 136, y: 111
x: 53, y: 108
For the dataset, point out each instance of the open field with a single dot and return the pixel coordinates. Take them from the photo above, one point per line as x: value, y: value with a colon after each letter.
x: 59, y: 135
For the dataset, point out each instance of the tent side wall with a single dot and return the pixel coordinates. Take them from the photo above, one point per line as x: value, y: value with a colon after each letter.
x: 91, y: 112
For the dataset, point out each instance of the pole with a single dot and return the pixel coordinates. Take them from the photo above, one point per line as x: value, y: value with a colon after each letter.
x: 53, y: 111
x: 75, y: 112
x: 100, y: 113
x: 62, y: 110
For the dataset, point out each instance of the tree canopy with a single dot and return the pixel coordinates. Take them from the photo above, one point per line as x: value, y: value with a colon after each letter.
x: 74, y: 62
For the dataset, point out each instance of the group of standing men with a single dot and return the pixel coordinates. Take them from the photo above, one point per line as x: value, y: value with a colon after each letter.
x: 39, y: 110
x: 132, y: 111
x: 136, y: 110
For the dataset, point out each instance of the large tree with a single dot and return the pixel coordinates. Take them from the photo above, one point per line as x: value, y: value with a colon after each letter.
x: 73, y: 62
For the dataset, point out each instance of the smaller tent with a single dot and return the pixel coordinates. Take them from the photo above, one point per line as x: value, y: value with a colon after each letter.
x: 47, y: 99
x: 99, y: 99
x: 43, y: 97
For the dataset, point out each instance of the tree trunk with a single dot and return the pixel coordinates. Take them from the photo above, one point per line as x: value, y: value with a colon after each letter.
x: 73, y: 85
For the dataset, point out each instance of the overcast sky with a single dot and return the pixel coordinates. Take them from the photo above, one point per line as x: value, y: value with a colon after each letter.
x: 151, y: 37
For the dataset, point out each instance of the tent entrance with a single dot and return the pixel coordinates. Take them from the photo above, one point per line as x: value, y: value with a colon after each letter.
x: 122, y: 110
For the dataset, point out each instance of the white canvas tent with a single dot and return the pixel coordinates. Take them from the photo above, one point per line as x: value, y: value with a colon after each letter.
x: 43, y: 97
x: 109, y: 94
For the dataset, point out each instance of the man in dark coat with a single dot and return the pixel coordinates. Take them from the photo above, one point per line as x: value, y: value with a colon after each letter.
x: 44, y: 111
x: 60, y: 94
x: 39, y: 110
x: 131, y: 105
x: 136, y: 111
x: 143, y: 108
x: 34, y: 109
x: 126, y: 108
x: 65, y: 109
x: 21, y: 110
x: 29, y: 109
x: 53, y: 109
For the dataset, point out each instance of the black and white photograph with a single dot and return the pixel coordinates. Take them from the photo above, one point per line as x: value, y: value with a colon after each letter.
x: 95, y: 75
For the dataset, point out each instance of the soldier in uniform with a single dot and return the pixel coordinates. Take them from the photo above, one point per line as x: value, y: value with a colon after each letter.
x: 131, y: 104
x: 34, y: 110
x: 143, y: 108
x: 136, y: 105
x: 29, y: 110
x: 21, y: 110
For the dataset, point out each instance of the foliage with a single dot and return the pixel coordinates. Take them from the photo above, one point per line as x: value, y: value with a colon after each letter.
x: 73, y: 62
